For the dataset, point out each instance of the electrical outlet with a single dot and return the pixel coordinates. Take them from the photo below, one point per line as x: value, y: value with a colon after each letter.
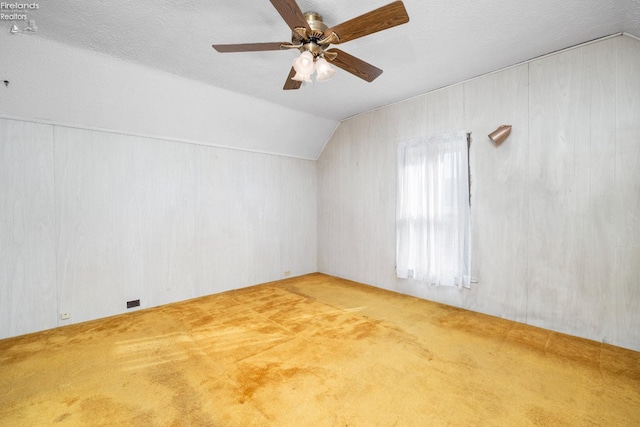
x: 65, y: 316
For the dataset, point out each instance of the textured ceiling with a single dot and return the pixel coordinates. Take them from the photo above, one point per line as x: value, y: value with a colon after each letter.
x: 445, y: 42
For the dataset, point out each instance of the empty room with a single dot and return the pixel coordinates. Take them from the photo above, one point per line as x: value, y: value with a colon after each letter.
x: 320, y: 213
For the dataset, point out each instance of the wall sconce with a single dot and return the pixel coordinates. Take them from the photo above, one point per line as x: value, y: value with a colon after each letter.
x: 500, y: 134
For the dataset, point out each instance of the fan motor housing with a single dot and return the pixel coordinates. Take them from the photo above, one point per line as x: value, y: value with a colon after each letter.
x: 318, y: 28
x: 314, y: 19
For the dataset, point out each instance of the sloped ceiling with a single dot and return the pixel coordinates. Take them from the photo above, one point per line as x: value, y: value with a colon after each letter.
x: 444, y: 43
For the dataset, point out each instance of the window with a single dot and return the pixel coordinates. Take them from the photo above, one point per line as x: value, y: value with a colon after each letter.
x: 433, y: 242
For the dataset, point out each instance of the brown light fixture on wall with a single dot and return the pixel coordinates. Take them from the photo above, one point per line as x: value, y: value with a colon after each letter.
x: 500, y: 134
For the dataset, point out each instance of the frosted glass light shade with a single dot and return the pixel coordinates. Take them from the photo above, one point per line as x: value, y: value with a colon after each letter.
x: 304, y: 63
x: 325, y: 70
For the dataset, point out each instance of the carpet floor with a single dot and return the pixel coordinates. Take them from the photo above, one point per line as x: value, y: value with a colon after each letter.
x: 313, y: 351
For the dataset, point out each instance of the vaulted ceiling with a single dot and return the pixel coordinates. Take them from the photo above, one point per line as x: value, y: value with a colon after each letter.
x: 445, y: 42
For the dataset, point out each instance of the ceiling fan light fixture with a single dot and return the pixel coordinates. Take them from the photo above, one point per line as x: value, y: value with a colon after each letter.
x: 324, y: 70
x: 304, y: 63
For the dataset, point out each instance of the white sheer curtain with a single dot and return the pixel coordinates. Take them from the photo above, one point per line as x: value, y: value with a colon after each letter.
x: 433, y: 242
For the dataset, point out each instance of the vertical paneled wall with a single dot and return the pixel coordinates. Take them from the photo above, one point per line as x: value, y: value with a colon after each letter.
x: 90, y: 220
x: 555, y: 209
x: 571, y: 168
x: 624, y: 285
x: 27, y: 228
x: 499, y: 202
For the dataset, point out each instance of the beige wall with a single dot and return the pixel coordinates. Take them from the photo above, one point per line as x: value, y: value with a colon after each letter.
x: 555, y: 209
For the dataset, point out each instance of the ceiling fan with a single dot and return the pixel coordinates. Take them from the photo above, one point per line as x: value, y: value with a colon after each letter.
x: 313, y: 37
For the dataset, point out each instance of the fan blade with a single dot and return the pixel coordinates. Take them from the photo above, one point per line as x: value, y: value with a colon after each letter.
x: 377, y: 20
x: 291, y: 13
x: 292, y: 84
x: 249, y: 47
x: 355, y: 66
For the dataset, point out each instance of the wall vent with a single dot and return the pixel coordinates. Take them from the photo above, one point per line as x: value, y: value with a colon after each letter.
x: 133, y: 303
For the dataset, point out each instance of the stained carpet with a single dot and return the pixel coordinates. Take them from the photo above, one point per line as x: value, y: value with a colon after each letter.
x: 313, y: 351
